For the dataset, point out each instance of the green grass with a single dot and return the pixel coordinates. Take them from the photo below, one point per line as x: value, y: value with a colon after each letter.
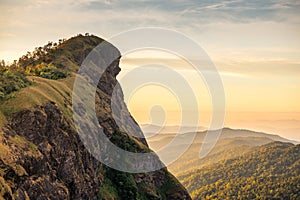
x: 60, y: 63
x: 68, y: 57
x: 42, y: 91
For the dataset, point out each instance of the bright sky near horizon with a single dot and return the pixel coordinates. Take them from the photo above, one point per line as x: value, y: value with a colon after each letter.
x: 254, y: 44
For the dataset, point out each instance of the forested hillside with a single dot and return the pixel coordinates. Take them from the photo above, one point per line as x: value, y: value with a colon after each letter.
x: 269, y: 172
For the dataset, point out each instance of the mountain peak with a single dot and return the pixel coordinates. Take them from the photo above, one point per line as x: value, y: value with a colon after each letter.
x: 42, y: 155
x: 75, y: 49
x: 66, y: 54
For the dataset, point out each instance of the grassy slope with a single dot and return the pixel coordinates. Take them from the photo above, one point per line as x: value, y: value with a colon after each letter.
x: 42, y: 91
x: 60, y: 91
x: 67, y: 56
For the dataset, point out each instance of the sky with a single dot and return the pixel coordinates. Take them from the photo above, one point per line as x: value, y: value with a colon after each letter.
x: 255, y: 46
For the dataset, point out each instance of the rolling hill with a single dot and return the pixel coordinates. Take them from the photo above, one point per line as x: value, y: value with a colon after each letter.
x: 243, y: 164
x: 231, y: 143
x: 272, y: 171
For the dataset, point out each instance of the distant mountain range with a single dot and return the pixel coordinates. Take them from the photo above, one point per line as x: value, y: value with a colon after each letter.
x: 152, y: 128
x: 157, y: 133
x: 231, y: 143
x: 233, y: 146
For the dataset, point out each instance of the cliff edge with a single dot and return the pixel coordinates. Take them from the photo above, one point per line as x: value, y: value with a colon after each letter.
x: 41, y: 154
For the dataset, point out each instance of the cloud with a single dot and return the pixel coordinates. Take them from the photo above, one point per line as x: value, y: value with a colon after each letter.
x: 257, y: 68
x: 204, y: 11
x: 215, y: 22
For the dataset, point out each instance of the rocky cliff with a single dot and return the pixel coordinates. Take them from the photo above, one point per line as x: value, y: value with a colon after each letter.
x: 41, y: 154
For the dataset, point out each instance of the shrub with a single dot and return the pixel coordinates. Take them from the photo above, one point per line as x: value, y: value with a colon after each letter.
x: 10, y: 82
x: 48, y: 71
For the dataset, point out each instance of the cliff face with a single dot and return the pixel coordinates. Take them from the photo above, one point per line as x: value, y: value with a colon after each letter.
x: 42, y: 156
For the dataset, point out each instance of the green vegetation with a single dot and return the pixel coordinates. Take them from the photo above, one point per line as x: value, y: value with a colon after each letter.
x: 11, y: 82
x: 128, y: 143
x: 52, y: 61
x: 47, y: 75
x: 66, y: 55
x: 40, y: 92
x: 108, y: 191
x: 48, y: 71
x: 124, y: 184
x: 270, y: 172
x: 56, y: 61
x: 231, y: 143
x: 169, y: 187
x: 225, y: 148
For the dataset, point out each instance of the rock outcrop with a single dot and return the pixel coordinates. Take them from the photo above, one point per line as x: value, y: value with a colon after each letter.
x: 42, y: 156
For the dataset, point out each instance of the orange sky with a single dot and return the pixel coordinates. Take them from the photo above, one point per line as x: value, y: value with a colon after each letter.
x: 254, y: 44
x: 254, y: 99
